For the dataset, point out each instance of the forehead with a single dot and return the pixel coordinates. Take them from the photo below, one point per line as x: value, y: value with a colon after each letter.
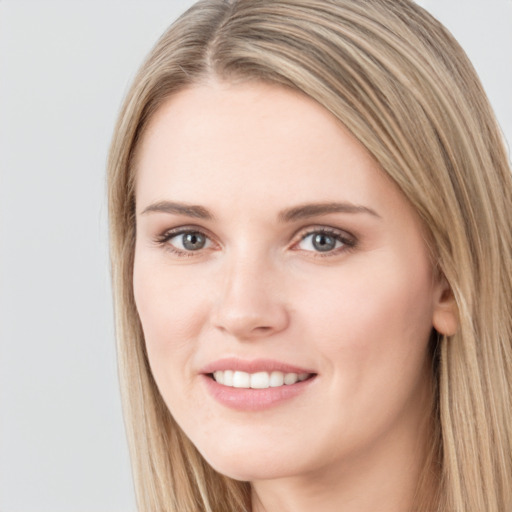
x: 253, y: 142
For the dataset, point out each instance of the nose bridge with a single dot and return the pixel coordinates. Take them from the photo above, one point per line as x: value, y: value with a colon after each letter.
x: 251, y: 300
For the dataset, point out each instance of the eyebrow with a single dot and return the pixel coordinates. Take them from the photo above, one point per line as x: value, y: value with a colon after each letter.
x: 189, y: 210
x: 295, y: 213
x: 313, y: 209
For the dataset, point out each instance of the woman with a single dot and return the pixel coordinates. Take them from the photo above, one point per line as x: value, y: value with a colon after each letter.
x: 310, y: 206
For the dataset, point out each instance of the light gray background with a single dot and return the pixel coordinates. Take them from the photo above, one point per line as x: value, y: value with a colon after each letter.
x: 64, y: 68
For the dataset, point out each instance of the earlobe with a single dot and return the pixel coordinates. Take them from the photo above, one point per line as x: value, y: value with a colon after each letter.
x: 445, y: 317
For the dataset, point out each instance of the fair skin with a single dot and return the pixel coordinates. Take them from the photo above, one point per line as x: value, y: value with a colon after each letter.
x: 233, y: 273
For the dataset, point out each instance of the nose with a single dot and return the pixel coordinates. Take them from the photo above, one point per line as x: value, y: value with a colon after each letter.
x: 251, y: 302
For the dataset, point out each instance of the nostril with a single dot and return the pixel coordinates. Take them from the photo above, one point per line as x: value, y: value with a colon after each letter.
x: 262, y: 328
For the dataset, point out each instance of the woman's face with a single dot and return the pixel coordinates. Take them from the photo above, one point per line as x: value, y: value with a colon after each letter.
x: 271, y: 247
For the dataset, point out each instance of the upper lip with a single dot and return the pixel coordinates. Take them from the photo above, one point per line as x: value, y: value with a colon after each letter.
x: 252, y: 366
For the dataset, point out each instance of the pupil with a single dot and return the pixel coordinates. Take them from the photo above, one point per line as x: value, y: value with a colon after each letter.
x: 322, y: 242
x: 193, y: 241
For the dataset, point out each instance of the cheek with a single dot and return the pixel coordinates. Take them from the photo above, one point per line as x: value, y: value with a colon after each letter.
x: 373, y: 321
x: 172, y: 316
x: 162, y: 315
x: 372, y: 329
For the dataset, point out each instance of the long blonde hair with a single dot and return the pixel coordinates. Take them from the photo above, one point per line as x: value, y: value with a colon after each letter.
x: 402, y: 85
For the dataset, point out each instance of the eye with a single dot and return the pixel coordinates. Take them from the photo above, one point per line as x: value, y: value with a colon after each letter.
x: 192, y: 241
x: 325, y: 241
x: 185, y: 241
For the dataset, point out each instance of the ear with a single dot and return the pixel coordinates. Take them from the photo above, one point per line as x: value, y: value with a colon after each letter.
x: 445, y: 317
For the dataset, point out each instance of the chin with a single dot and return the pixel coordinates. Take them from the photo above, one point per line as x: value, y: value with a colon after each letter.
x: 247, y: 468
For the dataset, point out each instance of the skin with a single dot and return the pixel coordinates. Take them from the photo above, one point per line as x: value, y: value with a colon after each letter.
x: 360, y: 316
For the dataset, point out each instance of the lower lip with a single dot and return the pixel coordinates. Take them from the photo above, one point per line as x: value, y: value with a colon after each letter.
x: 248, y: 399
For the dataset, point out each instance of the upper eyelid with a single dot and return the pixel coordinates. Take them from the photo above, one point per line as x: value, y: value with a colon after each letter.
x: 171, y: 232
x: 323, y: 229
x: 304, y: 232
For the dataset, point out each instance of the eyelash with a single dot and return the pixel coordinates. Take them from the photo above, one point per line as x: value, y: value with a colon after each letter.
x: 349, y: 241
x: 163, y: 240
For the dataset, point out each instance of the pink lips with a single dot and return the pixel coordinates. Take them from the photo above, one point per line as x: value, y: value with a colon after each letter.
x: 248, y: 399
x: 256, y: 365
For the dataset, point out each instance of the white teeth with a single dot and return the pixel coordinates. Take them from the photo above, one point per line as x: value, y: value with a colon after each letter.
x: 228, y: 378
x: 290, y: 378
x: 241, y: 380
x: 258, y: 380
x: 276, y: 379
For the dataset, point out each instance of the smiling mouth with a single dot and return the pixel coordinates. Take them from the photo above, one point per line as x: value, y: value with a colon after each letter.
x: 258, y: 380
